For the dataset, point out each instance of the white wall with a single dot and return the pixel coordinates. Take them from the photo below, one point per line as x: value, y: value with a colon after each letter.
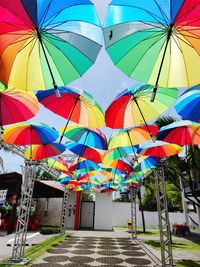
x: 121, y: 212
x: 54, y: 211
x: 103, y: 211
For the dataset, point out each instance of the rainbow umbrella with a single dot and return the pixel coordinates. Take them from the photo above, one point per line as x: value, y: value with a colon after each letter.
x: 132, y: 136
x: 181, y: 132
x: 187, y: 105
x: 132, y: 106
x: 43, y: 151
x: 63, y: 178
x: 47, y: 42
x: 160, y: 149
x: 16, y: 106
x: 28, y: 134
x: 119, y: 153
x: 144, y: 163
x: 83, y: 164
x: 157, y: 42
x: 84, y: 152
x: 85, y: 136
x: 74, y: 105
x: 122, y: 165
x: 58, y: 164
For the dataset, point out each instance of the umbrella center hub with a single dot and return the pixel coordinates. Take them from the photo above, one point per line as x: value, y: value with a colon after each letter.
x: 38, y: 33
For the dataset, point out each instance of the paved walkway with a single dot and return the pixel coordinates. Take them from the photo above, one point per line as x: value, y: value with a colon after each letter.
x: 95, y: 248
x: 6, y: 242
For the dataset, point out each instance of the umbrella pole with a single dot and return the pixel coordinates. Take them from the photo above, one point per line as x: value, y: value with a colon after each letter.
x: 62, y: 135
x: 161, y: 64
x: 48, y: 64
x: 145, y: 122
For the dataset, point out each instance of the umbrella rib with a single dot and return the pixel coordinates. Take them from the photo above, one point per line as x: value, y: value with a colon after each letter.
x: 162, y: 12
x: 185, y: 15
x: 185, y: 66
x: 45, y: 12
x: 162, y: 61
x: 150, y: 13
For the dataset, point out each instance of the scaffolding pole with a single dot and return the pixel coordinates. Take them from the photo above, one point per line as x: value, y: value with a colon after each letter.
x: 28, y: 174
x: 163, y: 218
x: 133, y: 196
x: 63, y: 220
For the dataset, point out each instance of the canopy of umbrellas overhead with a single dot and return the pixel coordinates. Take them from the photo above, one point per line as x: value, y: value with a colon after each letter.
x: 46, y: 44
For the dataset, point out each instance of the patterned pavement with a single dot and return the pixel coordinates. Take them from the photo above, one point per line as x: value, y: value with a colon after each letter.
x: 96, y: 251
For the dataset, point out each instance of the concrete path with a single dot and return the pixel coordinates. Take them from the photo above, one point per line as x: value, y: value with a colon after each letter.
x: 95, y: 248
x: 6, y: 242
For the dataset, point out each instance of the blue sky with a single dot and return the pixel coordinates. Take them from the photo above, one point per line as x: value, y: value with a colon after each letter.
x: 103, y: 80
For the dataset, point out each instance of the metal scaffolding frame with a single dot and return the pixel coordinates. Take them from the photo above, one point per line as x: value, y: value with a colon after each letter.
x: 133, y: 196
x: 28, y: 174
x: 63, y: 220
x: 163, y: 218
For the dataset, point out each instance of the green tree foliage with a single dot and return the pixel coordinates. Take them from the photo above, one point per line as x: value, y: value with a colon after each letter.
x: 87, y: 196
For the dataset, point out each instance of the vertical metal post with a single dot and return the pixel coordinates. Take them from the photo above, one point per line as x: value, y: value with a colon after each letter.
x: 63, y: 220
x: 133, y: 212
x: 28, y: 174
x: 163, y: 218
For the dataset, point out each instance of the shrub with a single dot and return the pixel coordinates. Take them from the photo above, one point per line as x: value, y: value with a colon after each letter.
x: 49, y: 230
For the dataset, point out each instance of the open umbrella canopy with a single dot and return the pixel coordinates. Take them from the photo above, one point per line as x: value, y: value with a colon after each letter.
x: 119, y: 153
x: 84, y: 151
x: 74, y: 105
x: 58, y: 164
x: 187, y: 105
x: 157, y: 42
x: 16, y: 106
x: 132, y: 106
x: 181, y: 132
x: 132, y: 136
x: 145, y: 163
x: 122, y: 165
x: 85, y: 136
x: 160, y: 149
x: 47, y: 41
x: 83, y: 164
x: 38, y: 152
x: 27, y: 134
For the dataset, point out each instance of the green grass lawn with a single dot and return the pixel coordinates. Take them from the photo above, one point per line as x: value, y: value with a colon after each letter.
x: 177, y: 245
x: 187, y: 263
x: 38, y: 250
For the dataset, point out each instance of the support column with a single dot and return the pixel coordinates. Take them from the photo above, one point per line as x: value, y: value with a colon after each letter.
x: 133, y: 212
x: 163, y: 217
x: 184, y: 203
x: 63, y: 220
x: 28, y: 174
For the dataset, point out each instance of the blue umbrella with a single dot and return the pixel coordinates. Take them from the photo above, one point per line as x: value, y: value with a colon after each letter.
x: 188, y: 104
x: 145, y: 163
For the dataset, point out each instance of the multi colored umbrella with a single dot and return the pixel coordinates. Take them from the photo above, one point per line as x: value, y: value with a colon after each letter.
x: 85, y: 136
x: 74, y: 105
x: 160, y: 149
x: 122, y: 165
x: 38, y: 152
x: 132, y: 136
x: 84, y: 152
x: 28, y: 134
x: 181, y: 132
x: 155, y: 41
x: 47, y: 42
x: 187, y: 105
x: 16, y: 106
x: 58, y: 164
x: 119, y: 153
x: 132, y: 107
x: 144, y: 163
x: 83, y: 164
